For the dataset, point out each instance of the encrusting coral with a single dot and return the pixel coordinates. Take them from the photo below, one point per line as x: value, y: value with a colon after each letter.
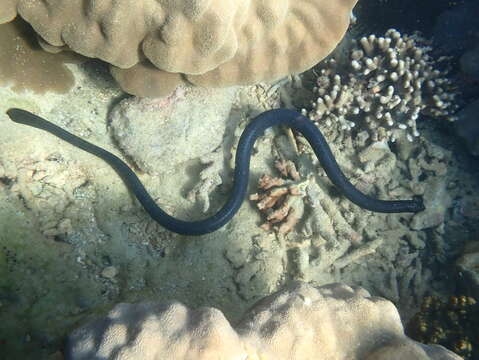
x: 454, y: 324
x: 208, y: 43
x: 387, y: 82
x: 299, y: 322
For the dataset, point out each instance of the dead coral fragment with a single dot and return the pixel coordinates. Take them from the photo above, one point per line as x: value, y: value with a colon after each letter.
x: 281, y: 198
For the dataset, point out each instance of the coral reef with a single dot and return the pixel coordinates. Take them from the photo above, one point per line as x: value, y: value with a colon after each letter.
x: 453, y: 324
x: 255, y: 99
x: 385, y: 84
x: 388, y: 258
x: 298, y: 322
x: 209, y: 43
x: 57, y: 272
x: 336, y: 242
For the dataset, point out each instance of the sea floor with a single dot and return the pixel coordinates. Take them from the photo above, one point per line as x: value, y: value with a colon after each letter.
x: 74, y: 241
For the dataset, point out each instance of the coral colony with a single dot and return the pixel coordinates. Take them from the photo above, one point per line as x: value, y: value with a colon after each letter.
x: 387, y: 84
x: 208, y: 43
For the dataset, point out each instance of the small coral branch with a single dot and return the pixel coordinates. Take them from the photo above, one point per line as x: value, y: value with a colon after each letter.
x: 280, y: 199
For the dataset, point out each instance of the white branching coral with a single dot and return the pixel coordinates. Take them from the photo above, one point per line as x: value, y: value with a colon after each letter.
x: 389, y: 82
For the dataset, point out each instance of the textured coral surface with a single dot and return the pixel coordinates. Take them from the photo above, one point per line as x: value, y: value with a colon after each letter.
x: 300, y: 322
x: 213, y: 43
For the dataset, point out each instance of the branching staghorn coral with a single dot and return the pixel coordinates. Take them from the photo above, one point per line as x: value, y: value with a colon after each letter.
x: 155, y: 45
x: 386, y: 84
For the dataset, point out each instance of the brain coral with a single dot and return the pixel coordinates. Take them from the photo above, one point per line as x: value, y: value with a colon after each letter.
x: 210, y: 42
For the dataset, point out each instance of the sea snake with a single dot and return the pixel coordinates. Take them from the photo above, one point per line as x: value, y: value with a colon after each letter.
x: 252, y: 131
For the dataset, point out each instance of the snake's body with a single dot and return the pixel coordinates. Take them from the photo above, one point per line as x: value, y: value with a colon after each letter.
x: 254, y: 129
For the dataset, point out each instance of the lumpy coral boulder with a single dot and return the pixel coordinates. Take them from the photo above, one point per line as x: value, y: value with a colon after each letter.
x: 205, y: 42
x: 299, y: 322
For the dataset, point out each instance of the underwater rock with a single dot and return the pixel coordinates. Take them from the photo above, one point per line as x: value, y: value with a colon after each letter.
x: 455, y: 28
x: 152, y: 131
x: 468, y: 265
x: 299, y: 322
x: 437, y: 200
x: 470, y: 63
x: 467, y: 126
